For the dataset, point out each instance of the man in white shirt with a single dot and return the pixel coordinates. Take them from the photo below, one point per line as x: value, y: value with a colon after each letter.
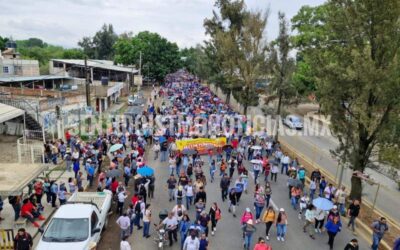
x: 310, y: 220
x: 285, y: 163
x: 171, y: 225
x: 329, y: 191
x: 191, y: 242
x: 125, y: 244
x: 124, y: 223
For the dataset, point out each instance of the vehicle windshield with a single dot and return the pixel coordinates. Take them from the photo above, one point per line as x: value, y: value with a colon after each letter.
x: 295, y: 119
x: 67, y: 230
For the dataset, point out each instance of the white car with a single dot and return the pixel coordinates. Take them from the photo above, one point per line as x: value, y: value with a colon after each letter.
x: 131, y: 99
x: 293, y: 122
x: 78, y: 223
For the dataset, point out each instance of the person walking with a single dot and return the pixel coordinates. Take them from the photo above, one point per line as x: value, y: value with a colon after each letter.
x: 353, y: 245
x: 146, y: 221
x: 124, y: 245
x: 171, y: 225
x: 171, y: 185
x: 184, y: 226
x: 224, y: 185
x: 352, y: 212
x: 268, y: 193
x: 213, y: 169
x: 259, y: 203
x: 191, y: 242
x: 341, y: 196
x: 313, y: 188
x: 121, y: 196
x: 379, y: 229
x: 189, y: 189
x: 274, y: 171
x: 269, y: 219
x: 310, y: 221
x: 248, y: 230
x: 333, y: 227
x: 232, y: 202
x: 215, y: 216
x: 281, y: 225
x: 124, y: 223
x: 261, y: 245
x: 319, y: 220
x: 23, y: 240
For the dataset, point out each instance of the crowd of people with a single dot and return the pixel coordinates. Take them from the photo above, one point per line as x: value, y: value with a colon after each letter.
x: 186, y: 109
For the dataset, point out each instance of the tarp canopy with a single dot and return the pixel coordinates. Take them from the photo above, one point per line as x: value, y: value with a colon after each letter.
x: 14, y: 177
x: 9, y: 112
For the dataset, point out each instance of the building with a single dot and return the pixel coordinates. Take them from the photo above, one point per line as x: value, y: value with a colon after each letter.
x: 12, y: 65
x: 108, y: 81
x: 98, y: 70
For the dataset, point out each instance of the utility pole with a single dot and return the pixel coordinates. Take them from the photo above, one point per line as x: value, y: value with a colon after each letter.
x: 87, y: 84
x: 140, y: 63
x: 140, y: 69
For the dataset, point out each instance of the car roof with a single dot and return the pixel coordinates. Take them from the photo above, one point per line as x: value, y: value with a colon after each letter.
x: 73, y: 211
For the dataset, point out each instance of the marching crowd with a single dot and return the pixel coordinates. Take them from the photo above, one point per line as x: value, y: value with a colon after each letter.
x: 189, y: 110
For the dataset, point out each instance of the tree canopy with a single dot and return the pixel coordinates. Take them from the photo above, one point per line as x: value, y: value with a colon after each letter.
x: 354, y: 56
x: 101, y: 45
x: 159, y: 56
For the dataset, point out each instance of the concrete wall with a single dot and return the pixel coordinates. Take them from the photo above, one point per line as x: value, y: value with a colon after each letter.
x: 19, y: 67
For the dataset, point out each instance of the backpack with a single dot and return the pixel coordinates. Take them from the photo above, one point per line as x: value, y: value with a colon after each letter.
x: 179, y: 194
x: 137, y: 207
x: 217, y: 214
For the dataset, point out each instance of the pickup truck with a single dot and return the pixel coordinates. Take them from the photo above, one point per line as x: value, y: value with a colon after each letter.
x: 78, y: 223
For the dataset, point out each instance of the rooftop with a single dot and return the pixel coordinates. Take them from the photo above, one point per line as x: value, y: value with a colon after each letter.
x: 102, y: 64
x: 31, y: 78
x: 14, y: 177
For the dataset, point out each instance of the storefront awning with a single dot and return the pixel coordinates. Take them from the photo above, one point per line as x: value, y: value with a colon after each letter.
x: 9, y: 112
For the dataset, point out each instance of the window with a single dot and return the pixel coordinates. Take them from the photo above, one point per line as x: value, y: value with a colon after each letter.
x: 5, y: 70
x: 67, y: 230
x: 94, y: 221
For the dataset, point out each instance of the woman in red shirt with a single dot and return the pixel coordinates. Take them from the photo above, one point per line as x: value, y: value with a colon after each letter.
x: 30, y: 212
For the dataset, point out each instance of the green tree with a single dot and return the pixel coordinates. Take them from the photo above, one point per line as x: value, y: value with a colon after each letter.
x: 159, y: 56
x: 223, y: 28
x: 3, y: 41
x: 250, y: 59
x: 357, y: 68
x: 101, y: 45
x: 282, y: 68
x: 310, y: 31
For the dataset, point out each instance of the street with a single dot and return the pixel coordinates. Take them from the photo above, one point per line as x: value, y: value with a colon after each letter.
x: 228, y: 234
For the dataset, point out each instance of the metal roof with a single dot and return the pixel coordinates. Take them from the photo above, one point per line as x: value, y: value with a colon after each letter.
x: 31, y: 78
x: 9, y: 112
x: 102, y: 64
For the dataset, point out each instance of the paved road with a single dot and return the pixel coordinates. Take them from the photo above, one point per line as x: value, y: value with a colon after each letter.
x: 317, y: 149
x: 228, y: 235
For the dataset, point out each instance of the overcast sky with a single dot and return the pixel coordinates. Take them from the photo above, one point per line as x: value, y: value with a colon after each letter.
x: 65, y: 22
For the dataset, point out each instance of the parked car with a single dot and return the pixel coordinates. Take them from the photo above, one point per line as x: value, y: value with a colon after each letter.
x: 66, y: 87
x: 131, y: 99
x: 293, y: 122
x: 78, y: 223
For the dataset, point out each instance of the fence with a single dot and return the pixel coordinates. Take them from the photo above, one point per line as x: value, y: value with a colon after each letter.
x: 30, y: 149
x: 6, y: 239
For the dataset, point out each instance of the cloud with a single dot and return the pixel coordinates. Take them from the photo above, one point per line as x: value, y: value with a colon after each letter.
x: 65, y: 22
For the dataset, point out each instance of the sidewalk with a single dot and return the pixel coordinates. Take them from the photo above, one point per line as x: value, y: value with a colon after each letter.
x: 8, y: 212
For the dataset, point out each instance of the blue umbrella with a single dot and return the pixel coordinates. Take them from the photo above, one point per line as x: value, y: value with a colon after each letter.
x: 145, y: 171
x: 323, y: 203
x: 161, y: 139
x: 115, y: 147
